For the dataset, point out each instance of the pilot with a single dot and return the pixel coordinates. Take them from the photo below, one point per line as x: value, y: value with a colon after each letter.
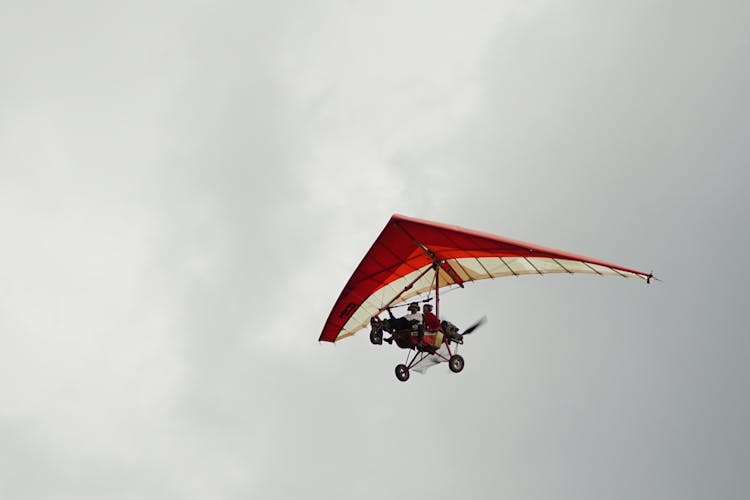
x: 411, y: 321
x: 414, y: 317
x: 414, y: 314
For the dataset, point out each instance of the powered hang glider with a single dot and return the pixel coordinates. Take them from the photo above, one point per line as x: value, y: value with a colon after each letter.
x: 413, y: 257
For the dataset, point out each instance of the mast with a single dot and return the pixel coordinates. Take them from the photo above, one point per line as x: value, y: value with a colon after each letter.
x: 437, y: 288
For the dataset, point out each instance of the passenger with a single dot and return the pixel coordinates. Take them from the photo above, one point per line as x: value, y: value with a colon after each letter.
x: 431, y: 322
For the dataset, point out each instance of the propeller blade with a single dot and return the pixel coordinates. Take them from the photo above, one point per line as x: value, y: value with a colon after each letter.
x: 476, y: 325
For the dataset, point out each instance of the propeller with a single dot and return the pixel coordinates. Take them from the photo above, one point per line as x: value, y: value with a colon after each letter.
x: 476, y: 325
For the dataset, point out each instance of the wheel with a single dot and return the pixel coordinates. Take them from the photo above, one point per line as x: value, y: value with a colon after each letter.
x: 402, y: 373
x: 456, y: 363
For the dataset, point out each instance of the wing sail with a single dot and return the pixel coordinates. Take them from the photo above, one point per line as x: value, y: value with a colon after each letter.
x: 403, y: 260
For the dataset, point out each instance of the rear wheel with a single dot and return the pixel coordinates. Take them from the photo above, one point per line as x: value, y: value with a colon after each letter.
x: 456, y: 363
x: 402, y: 373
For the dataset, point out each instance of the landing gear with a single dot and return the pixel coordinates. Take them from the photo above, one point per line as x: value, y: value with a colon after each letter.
x: 456, y: 363
x: 402, y: 373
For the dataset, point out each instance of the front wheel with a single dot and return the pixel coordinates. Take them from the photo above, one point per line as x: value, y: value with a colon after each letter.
x: 456, y: 363
x: 402, y: 373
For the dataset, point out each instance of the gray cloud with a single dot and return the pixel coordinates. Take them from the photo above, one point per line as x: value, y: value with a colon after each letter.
x: 185, y: 190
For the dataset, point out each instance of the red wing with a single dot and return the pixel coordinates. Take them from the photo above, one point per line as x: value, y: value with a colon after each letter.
x: 408, y: 247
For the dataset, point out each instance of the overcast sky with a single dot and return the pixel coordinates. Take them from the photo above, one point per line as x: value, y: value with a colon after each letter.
x: 185, y: 187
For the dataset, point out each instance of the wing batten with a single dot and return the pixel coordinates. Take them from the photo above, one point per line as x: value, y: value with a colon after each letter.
x: 489, y: 274
x: 532, y: 265
x: 563, y: 267
x: 590, y: 267
x: 618, y: 272
x: 510, y: 268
